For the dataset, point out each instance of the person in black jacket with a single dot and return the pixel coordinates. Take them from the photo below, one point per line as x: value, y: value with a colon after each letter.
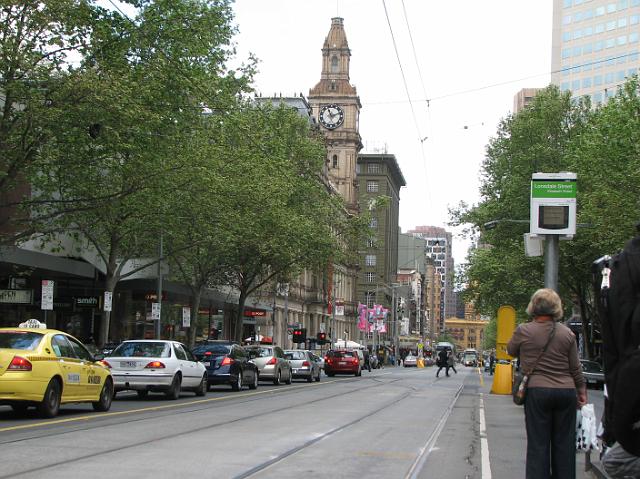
x: 442, y: 362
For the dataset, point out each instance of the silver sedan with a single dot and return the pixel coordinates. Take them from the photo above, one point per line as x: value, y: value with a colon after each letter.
x: 303, y: 364
x: 272, y: 365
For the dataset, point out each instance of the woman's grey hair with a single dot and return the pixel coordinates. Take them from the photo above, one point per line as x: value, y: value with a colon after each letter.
x: 545, y: 302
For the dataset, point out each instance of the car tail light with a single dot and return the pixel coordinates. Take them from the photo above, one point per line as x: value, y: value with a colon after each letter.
x: 104, y: 362
x: 272, y: 361
x: 306, y: 364
x: 208, y: 353
x: 227, y: 361
x: 155, y: 365
x: 355, y: 359
x: 19, y: 364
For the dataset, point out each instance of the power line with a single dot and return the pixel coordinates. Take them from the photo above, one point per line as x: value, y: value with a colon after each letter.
x: 506, y: 82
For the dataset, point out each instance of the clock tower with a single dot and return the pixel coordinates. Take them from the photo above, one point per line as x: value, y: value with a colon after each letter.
x: 336, y: 105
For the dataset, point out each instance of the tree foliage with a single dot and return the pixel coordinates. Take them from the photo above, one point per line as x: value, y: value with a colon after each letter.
x: 553, y: 134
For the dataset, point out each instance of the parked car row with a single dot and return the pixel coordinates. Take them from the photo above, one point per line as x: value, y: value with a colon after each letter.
x: 46, y: 368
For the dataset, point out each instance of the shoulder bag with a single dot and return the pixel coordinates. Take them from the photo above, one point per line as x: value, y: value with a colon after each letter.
x: 520, y: 381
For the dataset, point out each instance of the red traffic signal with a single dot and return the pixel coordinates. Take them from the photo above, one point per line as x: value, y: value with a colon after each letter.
x: 299, y: 335
x: 322, y: 338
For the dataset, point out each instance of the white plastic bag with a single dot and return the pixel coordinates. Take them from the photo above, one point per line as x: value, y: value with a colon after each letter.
x: 586, y: 429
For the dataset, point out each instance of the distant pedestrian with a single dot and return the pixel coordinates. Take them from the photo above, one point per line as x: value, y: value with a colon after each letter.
x: 442, y: 362
x: 556, y: 387
x: 492, y: 363
x: 451, y: 362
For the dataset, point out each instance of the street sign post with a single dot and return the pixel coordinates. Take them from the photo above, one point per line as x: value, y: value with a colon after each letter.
x: 47, y: 295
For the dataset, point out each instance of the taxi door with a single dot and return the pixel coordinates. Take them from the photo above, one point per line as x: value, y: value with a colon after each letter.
x: 91, y: 379
x: 73, y: 372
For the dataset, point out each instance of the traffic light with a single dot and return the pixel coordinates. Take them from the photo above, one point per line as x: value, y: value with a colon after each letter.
x: 322, y: 338
x: 299, y: 335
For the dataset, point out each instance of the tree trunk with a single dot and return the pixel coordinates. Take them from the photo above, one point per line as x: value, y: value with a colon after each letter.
x: 195, y: 306
x: 110, y: 286
x: 239, y: 316
x: 586, y: 321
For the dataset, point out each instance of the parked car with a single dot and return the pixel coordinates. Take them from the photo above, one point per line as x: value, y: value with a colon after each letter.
x: 227, y: 363
x: 108, y: 348
x: 303, y: 365
x: 272, y: 365
x: 593, y: 373
x: 410, y: 361
x: 342, y: 362
x: 46, y: 368
x: 153, y: 365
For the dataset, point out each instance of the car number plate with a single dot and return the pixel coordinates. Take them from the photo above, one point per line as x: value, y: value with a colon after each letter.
x: 592, y: 381
x: 342, y: 363
x: 207, y: 364
x: 128, y: 364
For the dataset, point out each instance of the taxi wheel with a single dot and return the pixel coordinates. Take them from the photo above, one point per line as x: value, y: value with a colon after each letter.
x: 254, y: 384
x: 202, y: 388
x: 106, y: 396
x: 174, y: 391
x: 50, y: 404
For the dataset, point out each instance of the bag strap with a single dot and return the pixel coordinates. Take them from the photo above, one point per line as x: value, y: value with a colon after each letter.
x: 551, y: 334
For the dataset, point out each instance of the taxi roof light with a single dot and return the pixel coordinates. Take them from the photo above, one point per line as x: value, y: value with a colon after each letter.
x: 19, y: 363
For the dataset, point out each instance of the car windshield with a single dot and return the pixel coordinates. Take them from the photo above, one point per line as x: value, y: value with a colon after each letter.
x: 591, y: 367
x: 214, y: 349
x: 19, y: 339
x: 295, y: 355
x: 143, y: 349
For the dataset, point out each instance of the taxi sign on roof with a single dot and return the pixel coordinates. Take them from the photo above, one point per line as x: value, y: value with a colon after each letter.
x: 33, y: 323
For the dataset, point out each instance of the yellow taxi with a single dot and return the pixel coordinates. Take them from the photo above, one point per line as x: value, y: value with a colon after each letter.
x: 46, y: 368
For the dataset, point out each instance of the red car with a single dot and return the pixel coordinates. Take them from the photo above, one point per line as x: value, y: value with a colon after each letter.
x: 342, y: 362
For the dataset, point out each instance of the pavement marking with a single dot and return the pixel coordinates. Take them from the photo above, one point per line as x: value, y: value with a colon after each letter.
x: 484, y: 443
x: 161, y: 407
x: 481, y: 377
x: 425, y: 450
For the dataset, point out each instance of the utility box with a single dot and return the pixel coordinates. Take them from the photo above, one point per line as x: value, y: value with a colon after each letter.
x: 553, y: 204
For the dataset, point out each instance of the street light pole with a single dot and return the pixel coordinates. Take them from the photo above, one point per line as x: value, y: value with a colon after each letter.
x: 551, y: 260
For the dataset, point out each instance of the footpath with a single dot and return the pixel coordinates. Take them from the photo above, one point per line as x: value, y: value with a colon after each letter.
x: 461, y: 449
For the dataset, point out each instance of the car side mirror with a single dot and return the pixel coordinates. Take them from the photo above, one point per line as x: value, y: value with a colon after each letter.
x: 98, y: 357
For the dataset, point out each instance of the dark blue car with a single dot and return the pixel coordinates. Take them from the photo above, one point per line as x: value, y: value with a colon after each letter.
x: 227, y: 363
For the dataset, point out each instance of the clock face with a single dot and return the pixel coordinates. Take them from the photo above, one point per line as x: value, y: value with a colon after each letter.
x: 331, y: 116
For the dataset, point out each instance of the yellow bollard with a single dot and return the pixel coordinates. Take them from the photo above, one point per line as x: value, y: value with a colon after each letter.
x: 502, y: 379
x: 420, y: 363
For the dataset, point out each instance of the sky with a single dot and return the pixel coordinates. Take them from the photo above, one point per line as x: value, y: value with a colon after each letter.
x: 434, y: 79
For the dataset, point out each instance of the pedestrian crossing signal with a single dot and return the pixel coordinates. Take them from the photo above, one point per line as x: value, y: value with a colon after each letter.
x: 299, y: 335
x: 322, y: 338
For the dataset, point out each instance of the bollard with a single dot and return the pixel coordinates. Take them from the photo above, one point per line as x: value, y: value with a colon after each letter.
x: 420, y: 363
x: 502, y: 379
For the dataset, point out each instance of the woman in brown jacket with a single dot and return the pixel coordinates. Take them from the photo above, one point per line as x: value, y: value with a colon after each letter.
x: 555, y: 390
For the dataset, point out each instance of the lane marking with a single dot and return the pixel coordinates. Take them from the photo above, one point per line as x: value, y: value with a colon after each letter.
x: 484, y: 444
x: 425, y: 450
x: 162, y: 407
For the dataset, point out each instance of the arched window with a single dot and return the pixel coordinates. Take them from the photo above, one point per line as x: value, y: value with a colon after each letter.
x: 334, y: 64
x: 335, y: 161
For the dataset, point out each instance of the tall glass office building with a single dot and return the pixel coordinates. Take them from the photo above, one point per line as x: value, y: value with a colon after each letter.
x: 595, y: 45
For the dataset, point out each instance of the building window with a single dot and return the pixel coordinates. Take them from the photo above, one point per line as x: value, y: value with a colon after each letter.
x: 369, y: 277
x: 370, y: 298
x: 372, y: 186
x: 370, y: 260
x: 335, y: 161
x: 334, y: 64
x: 373, y: 167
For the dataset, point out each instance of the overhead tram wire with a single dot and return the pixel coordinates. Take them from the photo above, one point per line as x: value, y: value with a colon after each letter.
x: 413, y: 113
x: 429, y: 122
x: 506, y: 82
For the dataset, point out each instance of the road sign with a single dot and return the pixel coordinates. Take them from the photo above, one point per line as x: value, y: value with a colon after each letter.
x: 186, y: 317
x: 108, y: 296
x: 155, y: 311
x: 47, y: 295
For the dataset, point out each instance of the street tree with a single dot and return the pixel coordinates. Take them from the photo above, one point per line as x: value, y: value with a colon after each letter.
x: 140, y: 87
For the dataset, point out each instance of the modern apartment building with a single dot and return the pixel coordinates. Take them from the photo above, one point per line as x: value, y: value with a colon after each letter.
x: 595, y: 46
x: 523, y: 98
x: 439, y: 248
